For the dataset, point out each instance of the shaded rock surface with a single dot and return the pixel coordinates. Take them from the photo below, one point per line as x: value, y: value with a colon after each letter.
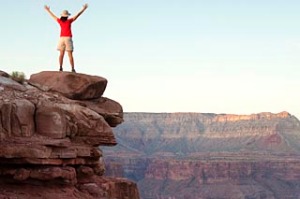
x: 206, y: 155
x: 71, y: 85
x: 51, y: 128
x: 4, y: 74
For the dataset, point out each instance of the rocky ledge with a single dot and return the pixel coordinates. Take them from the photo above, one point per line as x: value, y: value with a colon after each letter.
x: 51, y: 128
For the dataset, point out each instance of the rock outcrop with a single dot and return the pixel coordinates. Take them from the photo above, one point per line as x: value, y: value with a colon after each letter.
x: 205, y: 155
x: 50, y: 132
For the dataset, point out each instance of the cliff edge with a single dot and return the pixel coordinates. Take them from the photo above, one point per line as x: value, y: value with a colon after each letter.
x: 51, y: 128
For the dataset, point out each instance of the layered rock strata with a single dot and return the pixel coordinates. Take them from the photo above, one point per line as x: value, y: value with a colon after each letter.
x: 206, y: 155
x: 276, y: 177
x: 50, y: 132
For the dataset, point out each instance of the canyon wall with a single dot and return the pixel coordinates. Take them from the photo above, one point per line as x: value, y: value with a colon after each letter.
x: 205, y: 155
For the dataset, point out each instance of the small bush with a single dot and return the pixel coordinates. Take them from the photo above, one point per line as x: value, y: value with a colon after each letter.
x: 18, y: 76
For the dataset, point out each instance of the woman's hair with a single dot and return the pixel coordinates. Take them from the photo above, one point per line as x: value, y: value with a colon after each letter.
x: 64, y: 18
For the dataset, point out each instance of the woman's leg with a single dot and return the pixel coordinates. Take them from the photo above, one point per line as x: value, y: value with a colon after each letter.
x: 70, y: 53
x: 61, y: 59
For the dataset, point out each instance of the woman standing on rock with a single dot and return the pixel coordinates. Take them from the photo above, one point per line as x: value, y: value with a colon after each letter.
x: 65, y: 41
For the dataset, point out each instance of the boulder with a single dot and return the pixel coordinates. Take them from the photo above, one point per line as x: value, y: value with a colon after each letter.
x: 17, y: 118
x: 72, y: 85
x: 8, y: 83
x: 111, y: 110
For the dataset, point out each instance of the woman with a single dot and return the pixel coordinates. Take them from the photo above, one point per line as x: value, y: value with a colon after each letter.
x: 65, y: 41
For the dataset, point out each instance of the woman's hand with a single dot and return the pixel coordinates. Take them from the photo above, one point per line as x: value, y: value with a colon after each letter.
x: 85, y: 6
x: 47, y: 8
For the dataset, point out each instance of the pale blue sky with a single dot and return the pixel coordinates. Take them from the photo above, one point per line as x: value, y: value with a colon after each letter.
x: 219, y: 56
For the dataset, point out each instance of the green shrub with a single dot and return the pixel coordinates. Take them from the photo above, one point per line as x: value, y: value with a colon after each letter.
x: 18, y: 76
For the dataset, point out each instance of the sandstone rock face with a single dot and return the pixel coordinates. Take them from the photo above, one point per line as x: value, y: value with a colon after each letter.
x: 205, y: 155
x: 50, y: 133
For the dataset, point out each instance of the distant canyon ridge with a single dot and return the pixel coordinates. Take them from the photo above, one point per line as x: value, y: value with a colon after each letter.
x: 206, y: 155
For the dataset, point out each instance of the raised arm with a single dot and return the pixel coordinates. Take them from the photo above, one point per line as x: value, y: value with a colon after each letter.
x: 85, y: 6
x: 47, y: 8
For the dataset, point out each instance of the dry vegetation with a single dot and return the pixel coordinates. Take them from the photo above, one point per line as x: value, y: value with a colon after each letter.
x: 18, y: 76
